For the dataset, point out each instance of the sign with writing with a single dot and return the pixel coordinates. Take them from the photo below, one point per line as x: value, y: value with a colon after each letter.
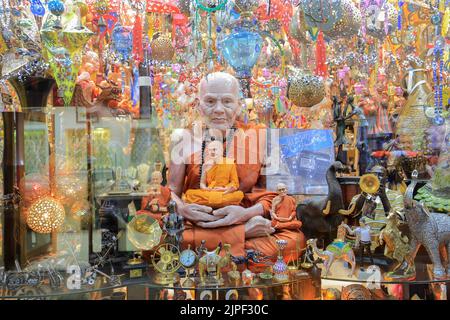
x: 304, y: 158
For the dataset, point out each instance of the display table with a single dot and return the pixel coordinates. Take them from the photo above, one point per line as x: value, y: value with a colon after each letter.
x: 298, y: 287
x: 378, y: 278
x: 102, y: 289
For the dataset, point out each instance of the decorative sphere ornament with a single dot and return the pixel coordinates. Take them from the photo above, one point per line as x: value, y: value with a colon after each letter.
x: 56, y: 7
x: 162, y: 48
x: 436, y: 19
x: 144, y: 232
x: 305, y: 90
x: 45, y: 215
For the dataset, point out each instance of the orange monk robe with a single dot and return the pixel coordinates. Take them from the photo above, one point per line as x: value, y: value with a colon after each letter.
x: 286, y: 209
x: 249, y: 178
x: 162, y: 199
x: 220, y: 175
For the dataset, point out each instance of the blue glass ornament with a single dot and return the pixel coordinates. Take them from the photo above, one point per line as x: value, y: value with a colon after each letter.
x: 37, y: 8
x: 56, y: 7
x: 241, y: 50
x: 439, y: 120
x: 436, y: 19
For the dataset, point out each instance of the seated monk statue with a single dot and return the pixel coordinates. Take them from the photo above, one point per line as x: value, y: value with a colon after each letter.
x: 155, y: 203
x: 246, y: 226
x: 219, y: 180
x: 283, y: 211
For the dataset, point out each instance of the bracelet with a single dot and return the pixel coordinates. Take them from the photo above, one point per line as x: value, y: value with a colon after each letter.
x: 220, y: 6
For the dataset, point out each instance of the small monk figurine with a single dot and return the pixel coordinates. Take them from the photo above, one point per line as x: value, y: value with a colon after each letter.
x: 219, y: 180
x: 155, y: 203
x: 283, y: 211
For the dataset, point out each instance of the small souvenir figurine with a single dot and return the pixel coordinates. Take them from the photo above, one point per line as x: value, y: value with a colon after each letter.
x: 283, y: 211
x: 364, y: 238
x: 361, y: 139
x: 173, y: 225
x: 340, y: 116
x: 158, y: 197
x: 234, y: 274
x: 219, y: 181
x: 224, y: 262
x: 208, y: 266
x: 338, y: 249
x: 396, y: 246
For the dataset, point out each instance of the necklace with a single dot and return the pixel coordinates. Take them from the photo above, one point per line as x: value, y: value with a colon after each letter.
x: 228, y: 140
x: 5, y: 14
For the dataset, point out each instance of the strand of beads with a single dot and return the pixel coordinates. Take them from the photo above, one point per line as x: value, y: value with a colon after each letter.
x: 5, y: 14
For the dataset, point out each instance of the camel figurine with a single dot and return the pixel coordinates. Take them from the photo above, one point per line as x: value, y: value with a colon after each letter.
x: 225, y: 261
x: 338, y: 249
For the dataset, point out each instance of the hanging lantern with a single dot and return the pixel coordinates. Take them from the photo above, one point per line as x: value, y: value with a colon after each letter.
x: 45, y: 215
x: 144, y: 232
x: 305, y: 90
x: 349, y: 23
x: 162, y: 48
x: 241, y: 50
x: 57, y: 8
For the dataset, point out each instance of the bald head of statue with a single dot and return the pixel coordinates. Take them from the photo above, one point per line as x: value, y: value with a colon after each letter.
x: 219, y: 101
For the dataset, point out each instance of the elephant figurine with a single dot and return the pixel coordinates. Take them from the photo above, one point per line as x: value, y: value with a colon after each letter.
x: 430, y: 230
x: 427, y: 229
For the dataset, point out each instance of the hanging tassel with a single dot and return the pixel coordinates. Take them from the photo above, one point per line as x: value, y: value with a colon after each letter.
x: 138, y: 51
x: 321, y: 67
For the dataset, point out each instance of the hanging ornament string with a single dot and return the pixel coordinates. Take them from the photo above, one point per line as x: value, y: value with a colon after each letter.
x: 5, y: 15
x: 400, y: 13
x: 220, y: 6
x: 277, y: 43
x: 138, y: 49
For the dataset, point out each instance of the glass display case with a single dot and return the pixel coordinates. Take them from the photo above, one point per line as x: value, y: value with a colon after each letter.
x: 159, y: 149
